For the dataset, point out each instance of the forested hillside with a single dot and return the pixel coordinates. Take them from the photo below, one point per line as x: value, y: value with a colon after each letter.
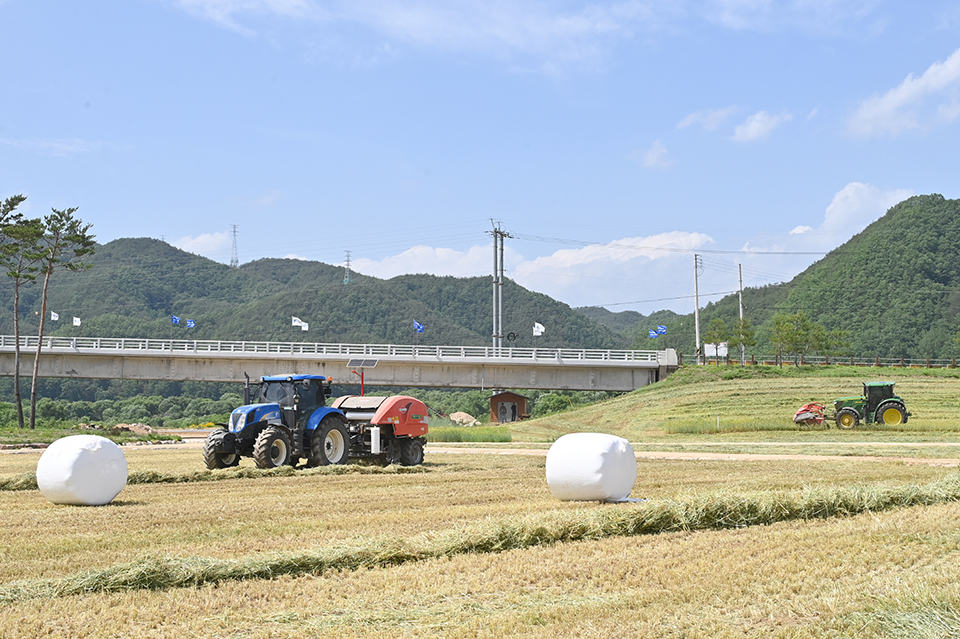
x: 136, y: 285
x: 894, y: 288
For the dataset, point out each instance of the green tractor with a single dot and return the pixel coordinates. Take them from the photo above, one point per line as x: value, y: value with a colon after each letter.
x: 877, y: 405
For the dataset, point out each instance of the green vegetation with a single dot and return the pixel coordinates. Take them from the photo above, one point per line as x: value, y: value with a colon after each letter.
x: 726, y: 400
x: 137, y: 284
x: 893, y: 290
x: 469, y: 434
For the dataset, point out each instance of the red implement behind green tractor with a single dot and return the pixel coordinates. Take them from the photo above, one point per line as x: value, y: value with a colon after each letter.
x: 877, y: 405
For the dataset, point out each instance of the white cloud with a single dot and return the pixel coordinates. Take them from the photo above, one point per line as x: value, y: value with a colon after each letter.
x: 857, y: 205
x: 812, y: 16
x: 901, y: 108
x: 573, y: 32
x: 56, y: 148
x: 710, y: 119
x: 267, y: 200
x: 852, y: 209
x: 294, y: 256
x: 212, y: 245
x: 655, y: 157
x: 641, y: 267
x: 553, y: 34
x: 226, y: 12
x: 437, y: 261
x: 759, y: 126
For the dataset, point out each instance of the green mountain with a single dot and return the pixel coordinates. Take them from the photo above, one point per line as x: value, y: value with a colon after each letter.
x: 136, y: 285
x: 894, y: 287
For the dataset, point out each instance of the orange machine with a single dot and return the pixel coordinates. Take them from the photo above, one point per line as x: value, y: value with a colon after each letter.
x: 389, y: 427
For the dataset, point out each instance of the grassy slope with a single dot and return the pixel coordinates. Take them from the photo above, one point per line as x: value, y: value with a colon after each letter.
x: 754, y: 399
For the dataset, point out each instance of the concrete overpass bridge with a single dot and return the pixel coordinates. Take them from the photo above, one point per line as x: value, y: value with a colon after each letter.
x: 482, y: 367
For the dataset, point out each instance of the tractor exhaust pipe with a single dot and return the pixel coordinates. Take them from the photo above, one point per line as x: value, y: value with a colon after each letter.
x: 246, y: 389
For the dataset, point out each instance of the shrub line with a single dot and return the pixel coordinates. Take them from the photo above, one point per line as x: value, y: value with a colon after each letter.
x: 709, y: 512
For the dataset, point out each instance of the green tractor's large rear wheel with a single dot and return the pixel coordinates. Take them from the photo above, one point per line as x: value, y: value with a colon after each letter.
x: 891, y: 414
x: 847, y: 418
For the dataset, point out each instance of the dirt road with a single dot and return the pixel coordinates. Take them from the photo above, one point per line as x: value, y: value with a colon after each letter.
x: 194, y: 439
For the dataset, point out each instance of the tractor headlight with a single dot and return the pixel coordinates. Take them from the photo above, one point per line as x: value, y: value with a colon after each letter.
x: 238, y: 420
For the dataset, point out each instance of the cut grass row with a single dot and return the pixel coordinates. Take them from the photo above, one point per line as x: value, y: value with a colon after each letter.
x: 28, y: 480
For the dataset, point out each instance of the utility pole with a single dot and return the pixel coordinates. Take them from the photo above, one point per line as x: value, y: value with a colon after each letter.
x: 498, y: 237
x: 234, y: 258
x: 697, y: 266
x: 743, y: 349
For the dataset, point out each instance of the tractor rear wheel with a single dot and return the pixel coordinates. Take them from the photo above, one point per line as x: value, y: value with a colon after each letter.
x: 411, y: 452
x: 847, y: 418
x: 272, y: 448
x: 212, y: 458
x: 330, y: 443
x: 891, y: 414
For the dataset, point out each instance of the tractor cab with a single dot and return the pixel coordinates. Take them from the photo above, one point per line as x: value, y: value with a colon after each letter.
x: 876, y: 393
x: 296, y: 395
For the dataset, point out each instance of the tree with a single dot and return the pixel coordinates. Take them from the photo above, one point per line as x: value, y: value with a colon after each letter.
x: 66, y: 241
x: 717, y: 332
x: 781, y: 335
x: 19, y: 254
x: 742, y: 336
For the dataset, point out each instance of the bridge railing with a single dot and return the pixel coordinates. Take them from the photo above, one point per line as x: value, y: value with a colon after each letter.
x: 157, y: 346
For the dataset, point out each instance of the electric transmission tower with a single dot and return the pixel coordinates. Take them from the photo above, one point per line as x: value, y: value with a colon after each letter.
x: 234, y: 258
x: 346, y: 270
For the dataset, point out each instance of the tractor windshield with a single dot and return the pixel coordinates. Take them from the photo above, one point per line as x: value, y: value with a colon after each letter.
x: 276, y: 392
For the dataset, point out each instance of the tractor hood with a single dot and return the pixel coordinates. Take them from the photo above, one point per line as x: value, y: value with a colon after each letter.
x: 241, y: 417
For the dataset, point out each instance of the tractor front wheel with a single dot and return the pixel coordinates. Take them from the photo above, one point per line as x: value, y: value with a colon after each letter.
x: 847, y: 418
x: 272, y: 448
x: 891, y: 414
x: 212, y: 458
x: 330, y: 443
x: 411, y: 452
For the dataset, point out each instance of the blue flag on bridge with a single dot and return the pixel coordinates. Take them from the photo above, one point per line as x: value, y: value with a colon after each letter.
x: 191, y: 323
x: 661, y: 329
x: 418, y: 326
x: 174, y: 319
x: 653, y: 333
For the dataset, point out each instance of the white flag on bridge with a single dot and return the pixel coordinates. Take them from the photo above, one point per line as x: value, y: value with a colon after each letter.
x: 296, y: 321
x: 76, y: 321
x: 537, y: 329
x: 54, y: 316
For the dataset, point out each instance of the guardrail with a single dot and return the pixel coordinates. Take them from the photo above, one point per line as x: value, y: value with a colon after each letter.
x: 159, y: 346
x: 882, y: 362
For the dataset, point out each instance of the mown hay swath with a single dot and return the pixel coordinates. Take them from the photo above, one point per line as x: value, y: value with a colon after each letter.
x: 28, y: 481
x: 715, y: 511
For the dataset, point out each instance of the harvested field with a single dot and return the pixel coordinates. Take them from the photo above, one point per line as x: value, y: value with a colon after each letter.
x: 889, y: 572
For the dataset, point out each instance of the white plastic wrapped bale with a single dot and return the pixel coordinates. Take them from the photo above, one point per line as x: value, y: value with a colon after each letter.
x: 82, y: 470
x: 591, y: 467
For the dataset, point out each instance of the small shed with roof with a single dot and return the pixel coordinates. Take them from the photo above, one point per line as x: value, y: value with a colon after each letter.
x: 508, y: 407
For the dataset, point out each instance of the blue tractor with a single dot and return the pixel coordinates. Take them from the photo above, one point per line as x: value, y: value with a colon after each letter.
x: 288, y: 420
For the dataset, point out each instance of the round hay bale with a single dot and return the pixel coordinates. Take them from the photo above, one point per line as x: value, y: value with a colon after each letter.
x: 591, y: 467
x: 82, y: 470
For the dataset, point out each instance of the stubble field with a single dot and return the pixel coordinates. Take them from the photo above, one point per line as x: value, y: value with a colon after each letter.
x: 889, y: 571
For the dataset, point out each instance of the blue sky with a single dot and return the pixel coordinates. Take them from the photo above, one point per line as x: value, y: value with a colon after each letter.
x: 612, y: 139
